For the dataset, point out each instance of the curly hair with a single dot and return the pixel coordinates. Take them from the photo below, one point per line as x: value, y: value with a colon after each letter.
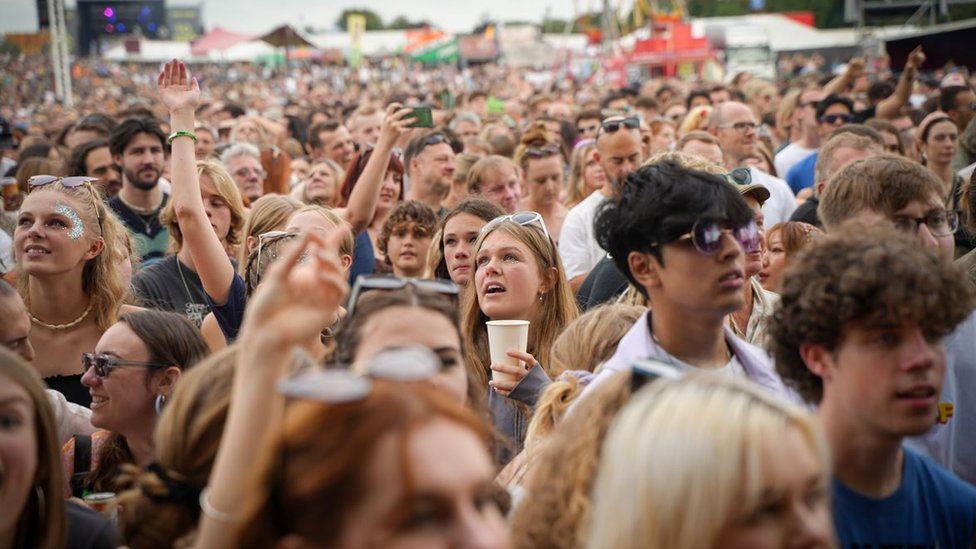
x: 861, y: 275
x: 404, y: 213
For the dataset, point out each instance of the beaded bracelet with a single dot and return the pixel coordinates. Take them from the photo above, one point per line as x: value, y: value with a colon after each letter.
x: 181, y: 133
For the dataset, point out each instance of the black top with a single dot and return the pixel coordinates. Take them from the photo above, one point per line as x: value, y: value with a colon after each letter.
x: 169, y: 285
x: 150, y: 235
x: 602, y: 285
x: 71, y: 388
x: 807, y: 212
x: 88, y: 529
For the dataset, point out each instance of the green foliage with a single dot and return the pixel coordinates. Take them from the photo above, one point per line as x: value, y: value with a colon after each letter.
x: 401, y: 22
x: 373, y: 20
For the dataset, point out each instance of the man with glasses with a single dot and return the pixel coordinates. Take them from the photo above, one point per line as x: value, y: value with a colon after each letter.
x: 832, y: 112
x: 892, y: 190
x: 618, y: 150
x: 804, y: 120
x: 243, y: 162
x: 735, y: 126
x: 429, y: 162
x: 680, y: 236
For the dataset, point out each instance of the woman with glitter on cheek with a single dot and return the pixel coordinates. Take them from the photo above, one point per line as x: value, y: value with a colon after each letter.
x: 66, y: 250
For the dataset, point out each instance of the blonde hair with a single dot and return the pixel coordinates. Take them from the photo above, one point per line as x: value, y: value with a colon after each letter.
x: 492, y: 163
x: 267, y: 213
x: 346, y: 247
x: 47, y: 482
x: 576, y: 190
x: 263, y: 141
x: 101, y: 279
x: 186, y: 441
x: 695, y: 443
x: 557, y: 309
x: 556, y: 508
x: 696, y: 119
x: 584, y: 344
x: 228, y: 192
x: 338, y: 173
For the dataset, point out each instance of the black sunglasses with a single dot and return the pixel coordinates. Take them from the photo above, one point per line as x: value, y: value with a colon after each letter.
x: 611, y: 126
x: 366, y: 283
x: 834, y: 118
x: 739, y: 176
x: 104, y: 364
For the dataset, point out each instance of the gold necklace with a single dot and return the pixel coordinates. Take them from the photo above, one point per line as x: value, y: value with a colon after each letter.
x: 65, y: 326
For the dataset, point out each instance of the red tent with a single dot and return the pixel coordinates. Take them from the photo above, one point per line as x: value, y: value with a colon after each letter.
x: 217, y: 39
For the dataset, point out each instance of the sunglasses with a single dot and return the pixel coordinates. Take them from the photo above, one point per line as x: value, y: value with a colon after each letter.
x: 835, y: 118
x: 519, y: 218
x: 244, y: 172
x: 272, y: 236
x: 104, y: 364
x: 739, y: 176
x: 541, y: 152
x: 341, y: 386
x: 587, y: 130
x: 741, y: 127
x: 435, y: 139
x: 70, y: 183
x: 366, y: 283
x: 612, y: 125
x: 706, y: 235
x: 645, y: 372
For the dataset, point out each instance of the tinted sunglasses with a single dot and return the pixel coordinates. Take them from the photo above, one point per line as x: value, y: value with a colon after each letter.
x: 739, y: 176
x: 706, y: 235
x: 365, y: 283
x: 835, y: 118
x: 104, y: 364
x: 272, y: 236
x: 611, y: 126
x: 541, y: 152
x: 70, y: 183
x: 519, y: 218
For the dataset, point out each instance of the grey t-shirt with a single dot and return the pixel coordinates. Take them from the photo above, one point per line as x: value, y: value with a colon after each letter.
x: 169, y: 285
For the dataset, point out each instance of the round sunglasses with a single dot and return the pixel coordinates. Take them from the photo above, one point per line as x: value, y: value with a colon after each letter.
x: 706, y: 235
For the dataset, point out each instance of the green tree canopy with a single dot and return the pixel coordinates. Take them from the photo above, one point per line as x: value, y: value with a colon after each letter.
x: 373, y: 20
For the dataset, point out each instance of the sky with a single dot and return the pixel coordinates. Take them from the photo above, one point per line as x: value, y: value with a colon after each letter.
x: 255, y: 16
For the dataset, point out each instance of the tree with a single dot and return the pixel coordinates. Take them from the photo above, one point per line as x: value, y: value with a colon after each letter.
x: 373, y: 20
x: 401, y: 22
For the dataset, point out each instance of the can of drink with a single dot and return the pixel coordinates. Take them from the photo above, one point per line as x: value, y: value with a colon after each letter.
x: 9, y: 189
x: 104, y: 502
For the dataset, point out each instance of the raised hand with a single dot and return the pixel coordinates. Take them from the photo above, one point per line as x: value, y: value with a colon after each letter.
x: 395, y: 123
x: 176, y: 90
x: 915, y: 59
x: 296, y: 301
x: 855, y: 68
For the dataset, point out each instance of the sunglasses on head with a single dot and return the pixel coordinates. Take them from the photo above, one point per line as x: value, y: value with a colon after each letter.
x: 614, y: 124
x: 519, y: 218
x: 541, y: 152
x: 272, y: 236
x: 104, y: 364
x: 70, y: 183
x: 739, y: 176
x: 706, y: 235
x: 366, y: 283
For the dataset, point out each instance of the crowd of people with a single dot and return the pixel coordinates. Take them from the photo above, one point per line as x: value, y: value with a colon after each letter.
x: 250, y: 308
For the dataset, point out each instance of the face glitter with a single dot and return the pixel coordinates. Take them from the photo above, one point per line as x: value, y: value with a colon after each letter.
x: 77, y: 225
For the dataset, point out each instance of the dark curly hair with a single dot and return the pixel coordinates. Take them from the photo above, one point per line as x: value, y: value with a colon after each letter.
x: 410, y: 211
x: 861, y: 275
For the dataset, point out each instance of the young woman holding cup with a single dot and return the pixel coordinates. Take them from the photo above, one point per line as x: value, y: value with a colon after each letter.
x: 518, y: 277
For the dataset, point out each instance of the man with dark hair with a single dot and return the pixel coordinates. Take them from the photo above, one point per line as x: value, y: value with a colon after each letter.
x: 94, y: 159
x: 429, y: 163
x: 138, y: 145
x: 959, y: 103
x: 892, y: 190
x: 618, y: 150
x: 859, y: 333
x: 831, y: 113
x: 719, y: 94
x: 698, y: 97
x: 680, y: 236
x: 588, y: 123
x: 88, y: 128
x: 331, y: 140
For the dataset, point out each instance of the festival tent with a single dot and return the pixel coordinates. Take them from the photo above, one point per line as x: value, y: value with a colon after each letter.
x: 217, y: 40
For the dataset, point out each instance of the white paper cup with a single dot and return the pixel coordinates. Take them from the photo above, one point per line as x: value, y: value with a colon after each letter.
x: 502, y: 336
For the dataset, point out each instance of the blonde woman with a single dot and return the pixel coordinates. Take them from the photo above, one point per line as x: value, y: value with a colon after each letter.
x: 586, y: 175
x: 696, y: 120
x: 708, y: 462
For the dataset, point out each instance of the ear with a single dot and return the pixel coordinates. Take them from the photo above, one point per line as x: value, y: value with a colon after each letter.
x: 644, y: 267
x: 549, y: 278
x: 95, y: 248
x: 819, y: 360
x: 117, y: 159
x: 250, y: 243
x: 821, y: 185
x: 596, y: 156
x: 165, y: 381
x: 346, y: 262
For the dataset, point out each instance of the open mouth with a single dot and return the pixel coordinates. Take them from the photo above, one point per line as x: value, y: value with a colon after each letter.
x: 494, y: 288
x: 97, y: 401
x: 36, y: 251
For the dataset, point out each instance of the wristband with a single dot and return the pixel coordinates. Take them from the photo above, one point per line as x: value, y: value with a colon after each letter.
x: 181, y: 133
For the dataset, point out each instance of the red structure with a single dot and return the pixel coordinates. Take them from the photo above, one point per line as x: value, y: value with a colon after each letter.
x: 663, y: 52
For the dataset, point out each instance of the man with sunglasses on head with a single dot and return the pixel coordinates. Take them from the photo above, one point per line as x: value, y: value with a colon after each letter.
x: 831, y: 113
x: 681, y: 238
x: 892, y: 190
x: 735, y: 126
x: 618, y: 150
x: 429, y: 163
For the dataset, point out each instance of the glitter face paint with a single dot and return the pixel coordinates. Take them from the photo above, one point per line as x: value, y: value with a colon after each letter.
x: 77, y: 229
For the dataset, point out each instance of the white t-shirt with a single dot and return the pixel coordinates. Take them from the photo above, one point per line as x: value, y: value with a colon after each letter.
x: 6, y: 252
x: 782, y: 201
x: 577, y: 242
x: 789, y: 156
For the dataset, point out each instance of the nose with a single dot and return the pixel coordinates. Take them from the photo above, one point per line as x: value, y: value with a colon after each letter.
x: 925, y: 236
x: 810, y: 529
x: 89, y: 379
x: 730, y: 248
x: 27, y: 351
x: 917, y: 351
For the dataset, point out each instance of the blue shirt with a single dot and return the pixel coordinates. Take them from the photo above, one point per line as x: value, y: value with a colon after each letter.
x: 801, y: 175
x: 363, y: 257
x: 931, y: 508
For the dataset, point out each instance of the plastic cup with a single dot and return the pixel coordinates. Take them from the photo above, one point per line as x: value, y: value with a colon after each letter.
x: 502, y: 336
